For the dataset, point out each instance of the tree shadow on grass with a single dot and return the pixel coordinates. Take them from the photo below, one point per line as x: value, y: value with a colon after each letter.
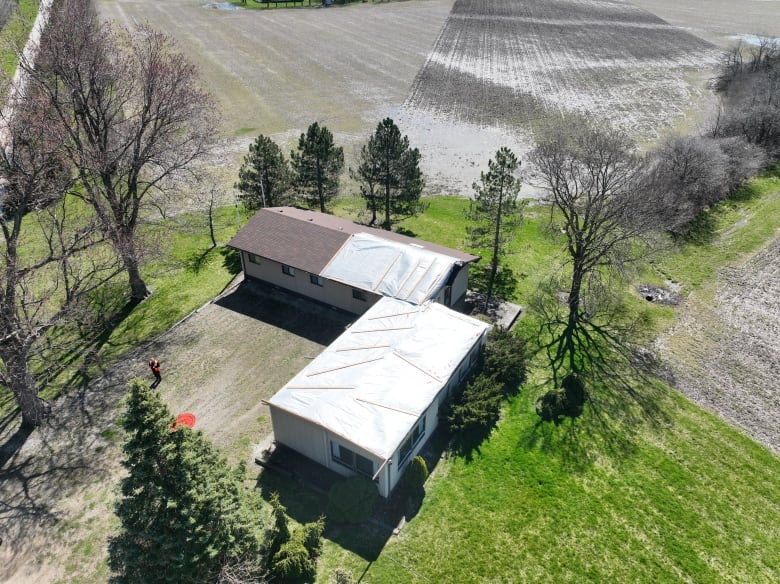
x: 55, y: 462
x: 231, y: 260
x: 608, y: 426
x: 110, y: 313
x: 197, y: 260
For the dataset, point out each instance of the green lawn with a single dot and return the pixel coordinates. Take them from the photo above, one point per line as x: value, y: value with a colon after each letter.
x: 658, y: 492
x: 186, y: 273
x: 15, y: 33
x: 678, y: 498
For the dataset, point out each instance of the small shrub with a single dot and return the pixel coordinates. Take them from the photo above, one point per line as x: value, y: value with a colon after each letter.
x: 292, y: 563
x: 340, y: 576
x: 352, y: 500
x: 478, y: 407
x: 415, y: 475
x: 505, y: 358
x: 295, y: 561
x: 311, y: 536
x: 280, y: 530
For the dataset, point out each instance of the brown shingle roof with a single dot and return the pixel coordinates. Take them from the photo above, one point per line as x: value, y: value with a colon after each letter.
x: 307, y: 240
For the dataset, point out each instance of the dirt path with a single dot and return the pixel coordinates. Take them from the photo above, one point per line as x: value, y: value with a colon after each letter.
x: 56, y: 492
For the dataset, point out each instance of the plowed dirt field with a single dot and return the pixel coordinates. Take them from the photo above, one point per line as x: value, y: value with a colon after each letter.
x: 461, y: 78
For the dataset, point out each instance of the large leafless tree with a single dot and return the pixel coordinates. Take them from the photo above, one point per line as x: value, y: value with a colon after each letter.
x: 134, y: 114
x: 47, y: 262
x: 590, y: 172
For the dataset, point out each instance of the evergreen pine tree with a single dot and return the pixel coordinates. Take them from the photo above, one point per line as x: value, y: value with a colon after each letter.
x: 495, y: 212
x: 389, y: 173
x: 316, y: 166
x: 184, y: 512
x: 264, y: 177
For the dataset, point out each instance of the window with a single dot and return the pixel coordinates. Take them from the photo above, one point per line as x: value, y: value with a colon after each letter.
x: 254, y: 259
x: 352, y: 460
x: 316, y: 280
x: 411, y: 441
x: 364, y: 466
x: 288, y: 270
x: 359, y: 295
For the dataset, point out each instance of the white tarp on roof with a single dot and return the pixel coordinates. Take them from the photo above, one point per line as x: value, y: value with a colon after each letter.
x: 390, y: 268
x: 371, y: 384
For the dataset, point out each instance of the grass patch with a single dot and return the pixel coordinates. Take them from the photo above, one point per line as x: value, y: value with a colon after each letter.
x: 191, y: 273
x: 733, y: 229
x: 14, y: 34
x: 187, y: 274
x: 654, y: 503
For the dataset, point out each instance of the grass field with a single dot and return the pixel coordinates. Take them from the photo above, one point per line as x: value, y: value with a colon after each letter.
x: 678, y: 498
x: 14, y: 32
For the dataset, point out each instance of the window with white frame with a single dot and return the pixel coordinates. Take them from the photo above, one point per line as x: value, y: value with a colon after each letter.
x: 411, y: 441
x: 351, y: 459
x: 316, y: 280
x: 290, y: 271
x: 253, y: 259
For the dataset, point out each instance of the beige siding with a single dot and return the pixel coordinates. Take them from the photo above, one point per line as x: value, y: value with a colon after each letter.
x: 300, y: 435
x: 332, y: 293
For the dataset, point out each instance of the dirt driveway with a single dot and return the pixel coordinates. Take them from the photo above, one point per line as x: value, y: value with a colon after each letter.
x: 57, y: 490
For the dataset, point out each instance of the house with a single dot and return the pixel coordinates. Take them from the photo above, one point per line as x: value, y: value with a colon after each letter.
x: 347, y: 265
x: 369, y: 401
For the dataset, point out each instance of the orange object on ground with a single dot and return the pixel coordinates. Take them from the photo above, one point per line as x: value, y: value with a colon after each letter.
x: 185, y: 419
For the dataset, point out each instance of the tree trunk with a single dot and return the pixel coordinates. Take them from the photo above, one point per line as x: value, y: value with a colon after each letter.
x: 22, y: 385
x: 387, y: 206
x: 138, y: 288
x: 126, y: 245
x: 496, y: 247
x: 573, y: 321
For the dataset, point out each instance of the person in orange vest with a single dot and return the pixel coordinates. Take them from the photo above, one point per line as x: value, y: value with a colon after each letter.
x: 154, y: 365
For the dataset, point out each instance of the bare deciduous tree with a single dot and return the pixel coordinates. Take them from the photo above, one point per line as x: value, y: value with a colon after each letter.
x: 40, y: 285
x: 684, y: 174
x: 590, y: 172
x: 749, y: 87
x: 134, y: 114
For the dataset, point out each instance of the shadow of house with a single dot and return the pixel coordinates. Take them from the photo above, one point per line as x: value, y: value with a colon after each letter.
x: 302, y: 486
x: 286, y: 310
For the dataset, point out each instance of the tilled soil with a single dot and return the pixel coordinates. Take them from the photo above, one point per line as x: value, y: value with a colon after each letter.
x: 724, y: 350
x: 506, y: 62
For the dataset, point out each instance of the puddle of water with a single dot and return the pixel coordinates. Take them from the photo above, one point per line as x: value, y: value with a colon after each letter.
x: 221, y: 6
x: 752, y: 39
